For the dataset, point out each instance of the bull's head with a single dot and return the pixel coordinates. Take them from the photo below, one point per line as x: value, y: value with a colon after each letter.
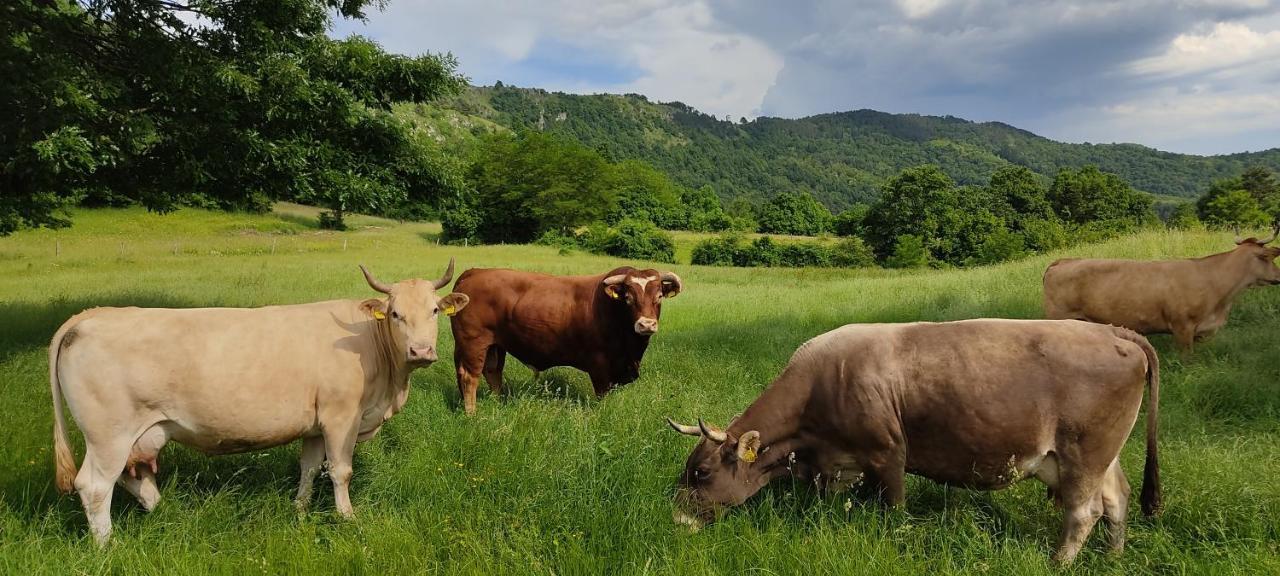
x: 641, y: 291
x: 722, y: 471
x: 1260, y: 259
x: 411, y: 311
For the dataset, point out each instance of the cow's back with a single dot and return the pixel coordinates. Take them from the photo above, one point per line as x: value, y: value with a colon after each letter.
x: 542, y: 320
x: 253, y: 374
x: 1131, y: 293
x: 975, y: 393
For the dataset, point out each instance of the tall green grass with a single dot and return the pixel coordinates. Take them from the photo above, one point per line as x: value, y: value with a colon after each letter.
x: 549, y: 480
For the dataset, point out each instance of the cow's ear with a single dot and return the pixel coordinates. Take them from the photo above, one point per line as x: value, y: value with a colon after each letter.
x: 749, y: 446
x: 454, y: 303
x: 375, y: 307
x: 614, y: 291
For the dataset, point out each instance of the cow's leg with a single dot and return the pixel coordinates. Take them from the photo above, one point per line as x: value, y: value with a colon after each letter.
x: 103, y: 463
x: 1082, y: 506
x: 312, y: 458
x: 469, y: 360
x: 140, y: 476
x: 891, y: 473
x: 1185, y: 337
x: 1115, y: 505
x: 600, y: 382
x: 339, y: 446
x: 494, y: 361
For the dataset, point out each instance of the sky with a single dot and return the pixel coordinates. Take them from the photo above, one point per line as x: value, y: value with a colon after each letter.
x: 1194, y: 76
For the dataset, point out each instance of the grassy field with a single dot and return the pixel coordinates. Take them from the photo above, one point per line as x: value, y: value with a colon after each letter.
x: 550, y: 481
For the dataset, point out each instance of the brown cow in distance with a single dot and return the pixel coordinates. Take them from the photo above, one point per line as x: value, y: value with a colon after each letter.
x: 598, y: 324
x: 1190, y: 299
x: 980, y: 404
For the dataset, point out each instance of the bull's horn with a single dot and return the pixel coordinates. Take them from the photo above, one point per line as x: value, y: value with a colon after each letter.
x: 685, y: 429
x: 444, y: 280
x: 674, y: 279
x: 615, y: 279
x: 711, y: 433
x: 1274, y: 230
x: 373, y: 282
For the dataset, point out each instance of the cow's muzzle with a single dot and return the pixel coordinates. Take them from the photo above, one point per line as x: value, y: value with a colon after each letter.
x: 646, y: 326
x: 423, y: 354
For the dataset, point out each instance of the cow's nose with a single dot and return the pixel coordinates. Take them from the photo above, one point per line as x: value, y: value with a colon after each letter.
x: 646, y: 326
x: 427, y: 353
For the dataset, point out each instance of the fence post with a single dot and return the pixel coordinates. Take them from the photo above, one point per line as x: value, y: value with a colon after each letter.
x: 57, y: 247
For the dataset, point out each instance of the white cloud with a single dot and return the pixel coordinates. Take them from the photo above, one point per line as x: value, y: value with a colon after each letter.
x: 671, y: 50
x: 1224, y: 46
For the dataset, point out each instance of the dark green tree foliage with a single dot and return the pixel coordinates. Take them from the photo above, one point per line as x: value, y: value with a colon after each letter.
x: 732, y: 249
x: 1089, y: 195
x: 1185, y: 218
x: 646, y: 194
x: 532, y: 183
x: 123, y: 101
x: 631, y: 238
x: 908, y: 252
x: 1223, y: 206
x: 842, y: 158
x: 795, y: 213
x: 917, y: 202
x: 849, y: 222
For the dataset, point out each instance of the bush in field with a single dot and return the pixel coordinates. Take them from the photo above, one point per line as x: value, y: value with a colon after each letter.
x: 999, y: 246
x: 908, y: 252
x: 722, y: 250
x: 1184, y: 218
x: 804, y: 254
x: 1043, y: 235
x: 853, y: 253
x: 763, y: 251
x: 638, y: 239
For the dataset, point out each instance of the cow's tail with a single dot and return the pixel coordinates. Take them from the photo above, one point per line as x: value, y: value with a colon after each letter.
x: 1151, y: 496
x: 64, y: 460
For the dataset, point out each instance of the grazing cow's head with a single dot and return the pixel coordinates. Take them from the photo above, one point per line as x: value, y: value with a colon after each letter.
x: 721, y: 471
x: 641, y: 291
x: 411, y: 310
x: 1260, y: 259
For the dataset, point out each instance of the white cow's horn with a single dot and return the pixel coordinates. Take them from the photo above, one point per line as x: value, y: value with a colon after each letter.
x: 685, y: 429
x: 373, y: 282
x: 711, y: 433
x: 444, y: 280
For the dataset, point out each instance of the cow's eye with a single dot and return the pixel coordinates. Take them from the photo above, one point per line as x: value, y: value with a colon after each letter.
x: 435, y: 310
x: 395, y: 315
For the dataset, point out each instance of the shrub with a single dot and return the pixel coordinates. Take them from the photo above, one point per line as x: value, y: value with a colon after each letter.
x: 1184, y: 218
x: 639, y: 239
x: 853, y: 253
x: 762, y: 252
x: 795, y: 213
x: 1044, y: 235
x: 559, y: 240
x: 804, y: 254
x: 999, y: 246
x: 459, y: 222
x: 849, y: 222
x: 719, y: 251
x: 908, y: 252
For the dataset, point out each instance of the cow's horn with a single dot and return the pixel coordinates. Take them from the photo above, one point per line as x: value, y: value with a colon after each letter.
x: 615, y: 279
x: 1236, y: 229
x: 711, y: 433
x: 373, y: 282
x: 1275, y: 229
x: 448, y: 277
x: 685, y: 429
x: 674, y: 279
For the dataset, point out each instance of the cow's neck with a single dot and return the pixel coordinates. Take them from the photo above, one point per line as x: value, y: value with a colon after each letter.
x: 1231, y: 284
x: 392, y: 359
x: 779, y: 416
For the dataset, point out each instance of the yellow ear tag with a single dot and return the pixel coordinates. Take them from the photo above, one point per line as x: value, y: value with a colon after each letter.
x: 749, y: 455
x: 450, y: 310
x: 379, y: 315
x: 613, y: 294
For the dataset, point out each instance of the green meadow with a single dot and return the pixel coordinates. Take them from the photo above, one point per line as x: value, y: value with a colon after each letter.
x: 549, y: 480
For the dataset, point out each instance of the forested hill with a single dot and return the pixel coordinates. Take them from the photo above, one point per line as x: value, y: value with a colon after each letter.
x: 840, y: 158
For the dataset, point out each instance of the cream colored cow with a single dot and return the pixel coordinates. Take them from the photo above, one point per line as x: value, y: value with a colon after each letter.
x: 228, y: 380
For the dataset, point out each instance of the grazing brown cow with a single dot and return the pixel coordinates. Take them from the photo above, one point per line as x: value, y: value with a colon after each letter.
x: 977, y: 403
x: 598, y: 324
x: 228, y: 380
x: 1190, y: 299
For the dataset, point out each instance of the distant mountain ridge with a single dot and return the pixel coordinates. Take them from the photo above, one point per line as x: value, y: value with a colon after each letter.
x: 839, y: 157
